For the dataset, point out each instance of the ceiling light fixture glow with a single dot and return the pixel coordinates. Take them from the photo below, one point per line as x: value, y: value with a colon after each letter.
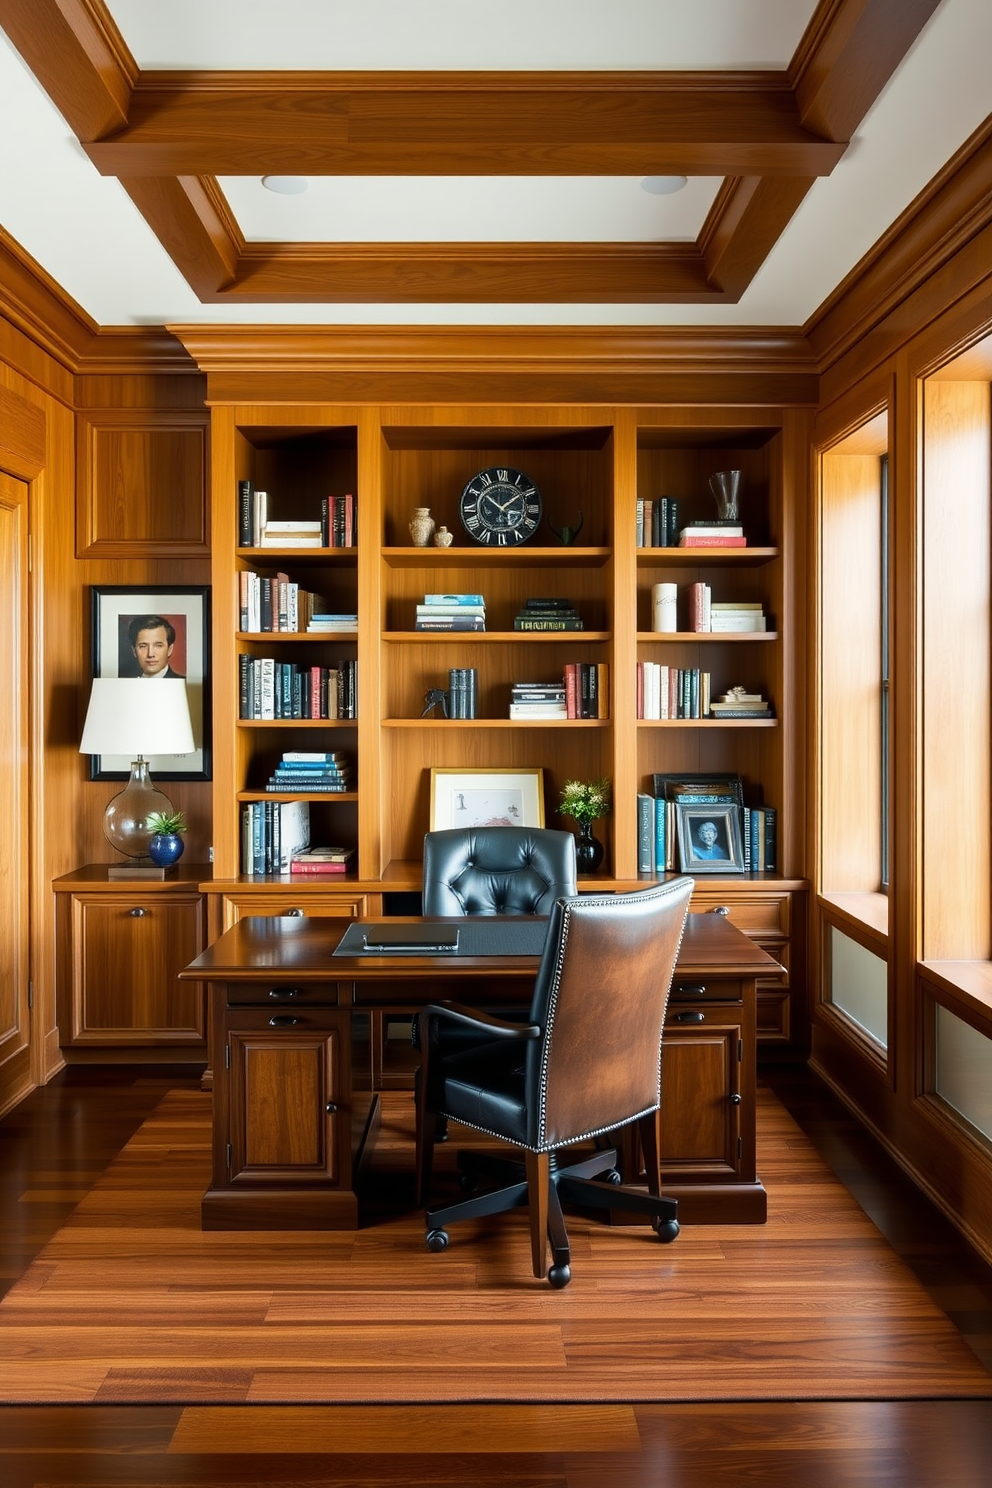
x: 663, y: 185
x: 286, y: 185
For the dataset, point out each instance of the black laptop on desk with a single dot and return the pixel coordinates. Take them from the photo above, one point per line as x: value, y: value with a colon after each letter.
x: 424, y: 940
x: 482, y: 935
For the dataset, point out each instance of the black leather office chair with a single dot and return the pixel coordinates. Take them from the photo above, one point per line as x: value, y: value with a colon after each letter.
x: 587, y: 1061
x: 497, y: 870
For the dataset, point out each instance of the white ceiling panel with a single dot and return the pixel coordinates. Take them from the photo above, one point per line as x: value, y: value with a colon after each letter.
x: 462, y: 34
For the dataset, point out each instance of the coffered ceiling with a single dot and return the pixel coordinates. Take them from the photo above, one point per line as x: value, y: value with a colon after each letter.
x: 474, y: 160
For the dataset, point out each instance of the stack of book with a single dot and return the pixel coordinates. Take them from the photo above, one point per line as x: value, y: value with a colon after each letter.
x: 278, y: 604
x: 338, y: 527
x: 451, y: 612
x: 740, y: 704
x: 537, y: 700
x: 291, y: 534
x: 715, y: 534
x: 463, y: 687
x: 289, y: 689
x: 322, y: 623
x: 302, y: 772
x: 666, y: 692
x: 657, y: 522
x: 740, y: 615
x: 657, y: 834
x: 548, y: 614
x: 587, y: 689
x: 321, y: 860
x: 272, y: 834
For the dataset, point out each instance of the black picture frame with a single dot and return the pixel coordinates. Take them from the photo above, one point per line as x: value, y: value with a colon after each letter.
x: 720, y: 849
x: 186, y: 608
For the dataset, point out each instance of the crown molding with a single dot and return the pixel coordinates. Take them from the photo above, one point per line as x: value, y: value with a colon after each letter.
x: 37, y: 305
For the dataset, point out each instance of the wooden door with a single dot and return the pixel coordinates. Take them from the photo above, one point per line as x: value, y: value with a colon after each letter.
x: 15, y: 1012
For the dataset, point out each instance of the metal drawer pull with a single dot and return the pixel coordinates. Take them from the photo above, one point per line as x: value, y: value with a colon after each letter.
x: 293, y: 914
x: 331, y: 1108
x: 283, y: 994
x: 735, y: 1100
x: 282, y: 1020
x: 690, y: 989
x: 693, y: 1016
x: 723, y: 909
x: 137, y: 914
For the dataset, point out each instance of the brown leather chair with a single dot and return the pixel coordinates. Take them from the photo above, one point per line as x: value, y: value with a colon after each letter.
x: 587, y: 1061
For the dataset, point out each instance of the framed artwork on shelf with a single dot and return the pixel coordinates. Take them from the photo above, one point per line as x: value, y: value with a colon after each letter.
x: 486, y: 798
x: 709, y: 837
x: 155, y: 631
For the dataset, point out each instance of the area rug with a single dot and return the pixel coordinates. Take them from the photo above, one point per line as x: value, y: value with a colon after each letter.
x: 132, y: 1302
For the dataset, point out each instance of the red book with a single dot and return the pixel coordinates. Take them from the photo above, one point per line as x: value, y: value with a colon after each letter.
x: 712, y: 542
x: 571, y: 689
x: 315, y: 692
x: 349, y: 521
x: 318, y: 867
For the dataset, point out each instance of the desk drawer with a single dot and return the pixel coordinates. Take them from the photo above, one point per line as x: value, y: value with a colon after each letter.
x: 283, y: 995
x: 691, y: 991
x: 756, y: 914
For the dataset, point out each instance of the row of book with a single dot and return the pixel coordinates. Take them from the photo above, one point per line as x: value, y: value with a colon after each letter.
x: 451, y: 612
x: 665, y: 692
x: 548, y: 614
x: 272, y: 833
x: 583, y: 692
x: 307, y: 772
x: 657, y: 522
x: 276, y: 604
x: 726, y: 617
x: 463, y: 689
x: 337, y: 526
x: 278, y: 689
x: 318, y: 861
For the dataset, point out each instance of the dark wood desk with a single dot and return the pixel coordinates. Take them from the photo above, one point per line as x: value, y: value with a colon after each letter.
x: 295, y: 1113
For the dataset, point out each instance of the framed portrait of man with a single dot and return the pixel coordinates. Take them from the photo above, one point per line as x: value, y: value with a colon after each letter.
x: 156, y: 631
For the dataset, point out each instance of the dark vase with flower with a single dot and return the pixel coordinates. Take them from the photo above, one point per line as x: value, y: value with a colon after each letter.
x: 588, y: 849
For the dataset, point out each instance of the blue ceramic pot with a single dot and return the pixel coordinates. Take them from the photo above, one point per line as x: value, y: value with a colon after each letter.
x: 165, y: 848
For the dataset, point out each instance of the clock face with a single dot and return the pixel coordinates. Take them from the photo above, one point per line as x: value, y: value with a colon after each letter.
x: 500, y: 508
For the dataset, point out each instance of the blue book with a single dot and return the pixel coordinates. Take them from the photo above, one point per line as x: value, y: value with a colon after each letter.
x: 659, y: 834
x: 454, y: 599
x: 645, y: 833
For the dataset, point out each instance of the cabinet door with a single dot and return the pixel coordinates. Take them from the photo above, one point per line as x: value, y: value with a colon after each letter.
x: 288, y: 1103
x: 127, y: 952
x: 701, y: 1097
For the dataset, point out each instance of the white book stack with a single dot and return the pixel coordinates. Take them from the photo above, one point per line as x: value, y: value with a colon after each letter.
x: 737, y: 616
x: 290, y: 535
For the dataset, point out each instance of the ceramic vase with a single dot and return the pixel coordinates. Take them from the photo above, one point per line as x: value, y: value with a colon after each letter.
x: 442, y: 538
x: 421, y: 526
x: 165, y: 848
x: 588, y: 849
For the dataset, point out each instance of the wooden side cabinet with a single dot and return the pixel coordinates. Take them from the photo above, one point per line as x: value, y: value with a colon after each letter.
x: 120, y: 946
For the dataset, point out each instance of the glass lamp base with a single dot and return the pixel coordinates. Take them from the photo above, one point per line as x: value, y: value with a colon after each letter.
x: 125, y: 822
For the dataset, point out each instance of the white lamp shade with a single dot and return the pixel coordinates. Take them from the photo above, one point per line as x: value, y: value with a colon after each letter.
x: 137, y: 715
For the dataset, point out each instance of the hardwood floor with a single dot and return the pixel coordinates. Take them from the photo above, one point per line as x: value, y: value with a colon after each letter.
x: 54, y: 1147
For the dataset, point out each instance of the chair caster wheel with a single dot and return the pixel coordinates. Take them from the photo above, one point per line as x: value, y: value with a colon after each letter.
x: 559, y: 1276
x: 614, y: 1176
x: 666, y: 1230
x: 437, y: 1240
x: 468, y: 1182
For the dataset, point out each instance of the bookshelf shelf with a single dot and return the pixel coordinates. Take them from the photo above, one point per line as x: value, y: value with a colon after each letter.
x: 681, y: 637
x: 704, y: 557
x: 331, y: 797
x: 299, y: 556
x: 494, y: 637
x: 297, y: 723
x: 483, y: 557
x: 323, y: 637
x: 496, y: 723
x: 707, y: 723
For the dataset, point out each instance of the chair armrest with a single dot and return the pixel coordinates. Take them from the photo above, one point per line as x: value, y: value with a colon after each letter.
x: 465, y: 1017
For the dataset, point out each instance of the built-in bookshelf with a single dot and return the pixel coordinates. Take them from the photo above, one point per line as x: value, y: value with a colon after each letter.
x: 588, y: 469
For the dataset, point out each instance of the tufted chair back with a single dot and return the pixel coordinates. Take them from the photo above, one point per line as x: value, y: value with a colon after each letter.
x: 497, y: 870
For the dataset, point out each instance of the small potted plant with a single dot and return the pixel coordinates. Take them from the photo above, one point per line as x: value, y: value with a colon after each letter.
x: 166, y: 845
x: 585, y: 801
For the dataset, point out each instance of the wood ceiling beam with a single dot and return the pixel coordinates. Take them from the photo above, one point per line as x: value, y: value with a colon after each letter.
x: 744, y: 224
x: 464, y: 124
x: 191, y: 219
x: 79, y: 57
x: 488, y: 273
x: 848, y: 53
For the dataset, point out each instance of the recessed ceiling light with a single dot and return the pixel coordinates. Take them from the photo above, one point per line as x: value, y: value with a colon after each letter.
x: 286, y: 185
x: 663, y: 185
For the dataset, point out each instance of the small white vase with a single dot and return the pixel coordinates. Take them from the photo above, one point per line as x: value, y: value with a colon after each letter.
x: 442, y: 538
x: 421, y: 526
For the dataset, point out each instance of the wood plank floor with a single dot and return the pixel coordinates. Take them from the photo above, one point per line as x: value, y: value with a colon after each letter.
x: 55, y: 1157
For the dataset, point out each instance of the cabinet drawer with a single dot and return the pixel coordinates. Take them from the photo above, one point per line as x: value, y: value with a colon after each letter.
x: 689, y: 991
x: 348, y: 904
x: 755, y: 914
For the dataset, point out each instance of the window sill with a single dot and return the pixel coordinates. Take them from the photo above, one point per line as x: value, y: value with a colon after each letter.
x: 865, y: 915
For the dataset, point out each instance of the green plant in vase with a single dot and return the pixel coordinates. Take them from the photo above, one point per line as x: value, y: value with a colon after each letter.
x: 166, y: 845
x: 585, y: 801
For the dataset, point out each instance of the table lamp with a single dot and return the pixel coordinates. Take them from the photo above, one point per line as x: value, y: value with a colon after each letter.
x: 136, y: 716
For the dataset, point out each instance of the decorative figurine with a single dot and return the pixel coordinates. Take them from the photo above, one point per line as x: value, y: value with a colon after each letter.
x: 435, y: 697
x: 566, y: 535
